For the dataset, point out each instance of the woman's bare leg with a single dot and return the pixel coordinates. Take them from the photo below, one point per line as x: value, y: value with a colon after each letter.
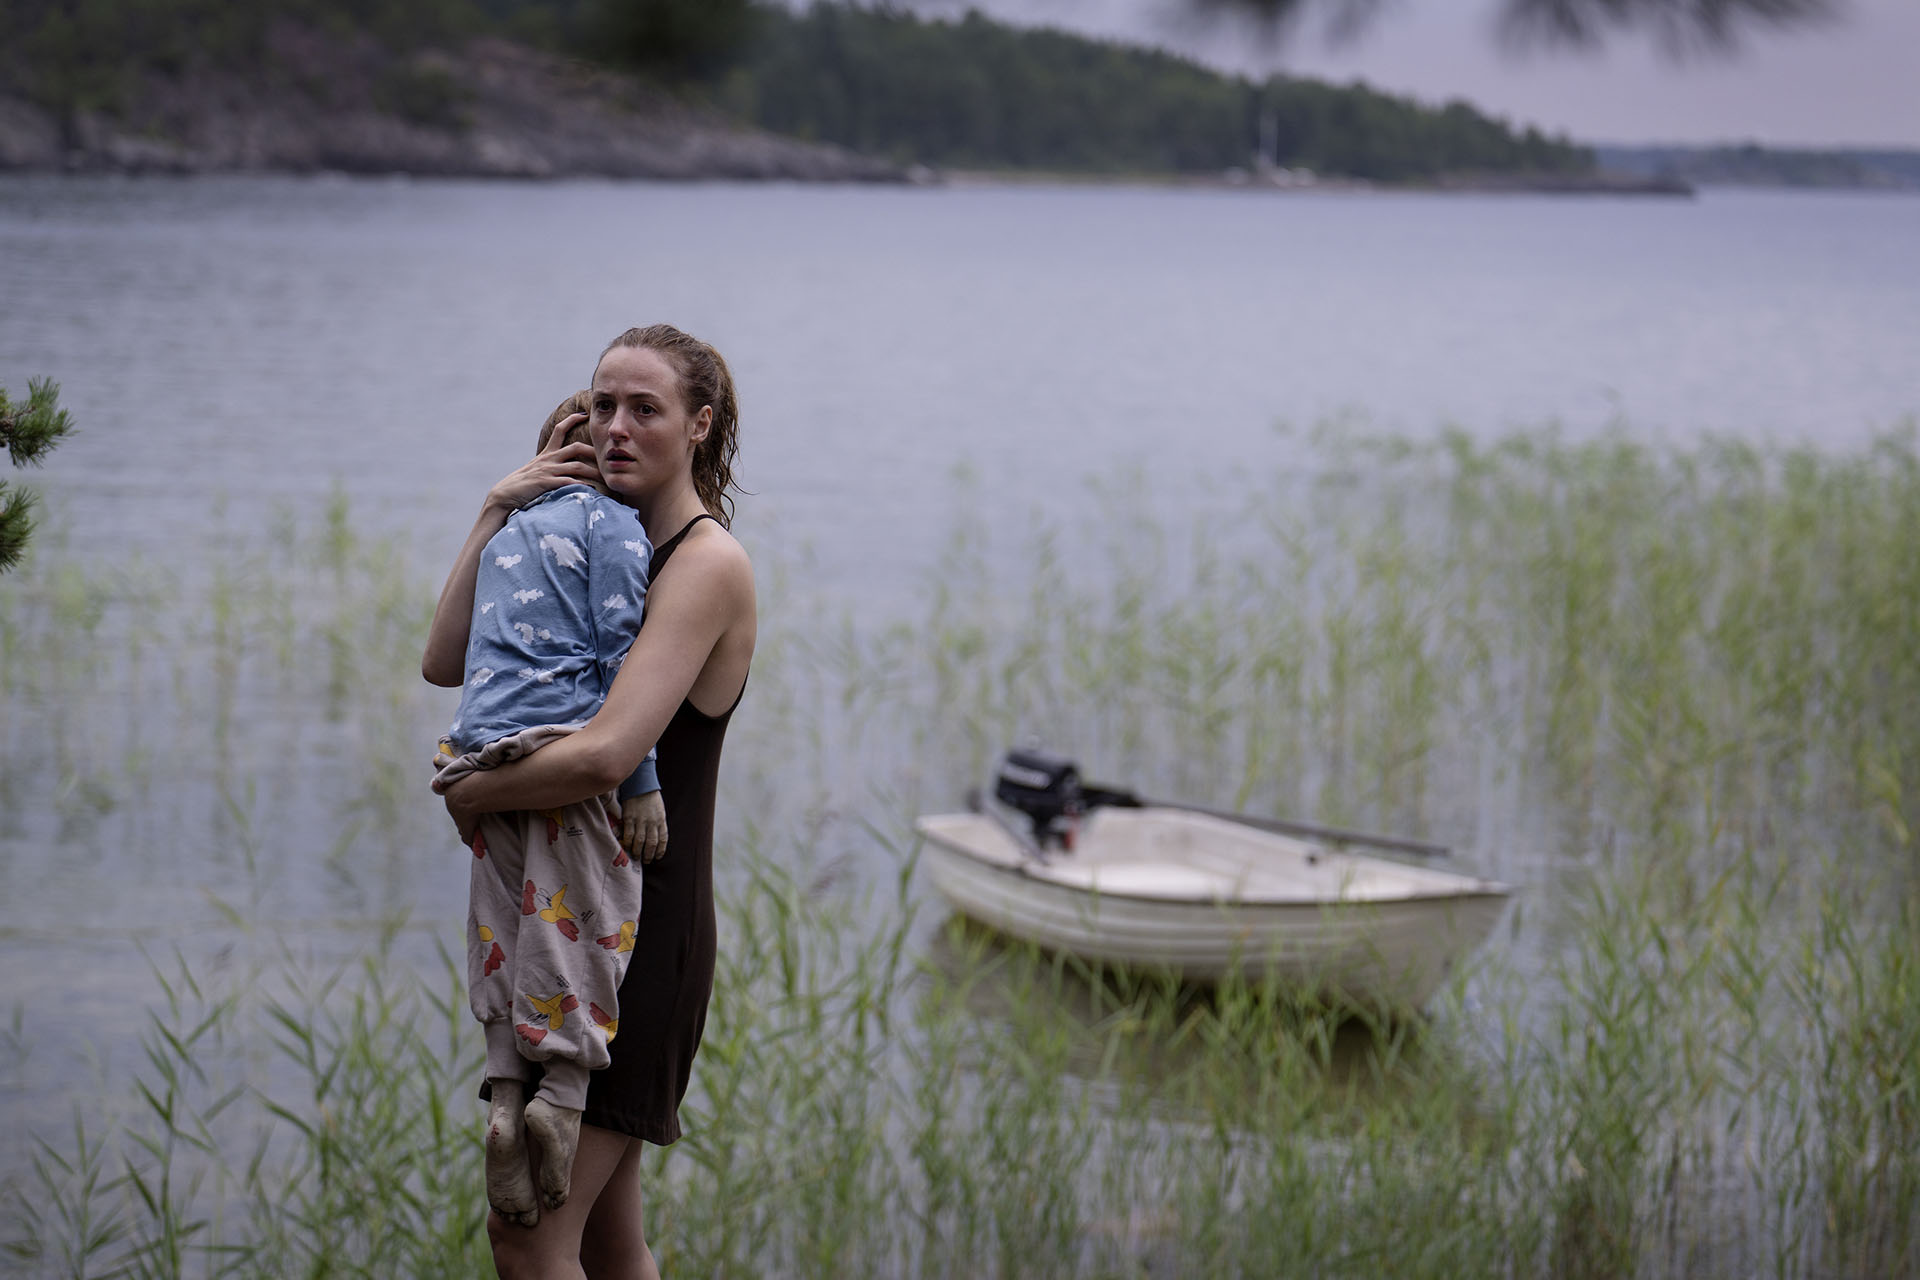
x: 615, y: 1244
x: 553, y: 1249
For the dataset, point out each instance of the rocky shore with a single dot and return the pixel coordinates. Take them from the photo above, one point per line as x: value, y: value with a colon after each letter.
x: 317, y: 102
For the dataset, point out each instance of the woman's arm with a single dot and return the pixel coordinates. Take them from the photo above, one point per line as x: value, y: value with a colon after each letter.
x: 444, y: 662
x: 707, y: 591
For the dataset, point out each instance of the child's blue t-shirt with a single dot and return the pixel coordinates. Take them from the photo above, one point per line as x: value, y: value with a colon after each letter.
x: 557, y: 602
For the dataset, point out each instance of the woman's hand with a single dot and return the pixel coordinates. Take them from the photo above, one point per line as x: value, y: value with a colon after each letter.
x: 643, y: 826
x: 557, y: 463
x: 465, y: 820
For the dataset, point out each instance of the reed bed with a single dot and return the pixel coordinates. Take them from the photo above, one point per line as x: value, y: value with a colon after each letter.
x: 1667, y: 691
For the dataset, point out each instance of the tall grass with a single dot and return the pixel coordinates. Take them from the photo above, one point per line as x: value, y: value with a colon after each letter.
x: 1667, y: 691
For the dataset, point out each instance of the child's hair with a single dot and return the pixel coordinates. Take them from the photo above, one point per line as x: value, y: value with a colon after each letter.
x: 578, y: 402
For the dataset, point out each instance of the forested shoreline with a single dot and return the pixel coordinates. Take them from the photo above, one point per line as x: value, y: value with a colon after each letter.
x: 186, y: 84
x: 978, y: 94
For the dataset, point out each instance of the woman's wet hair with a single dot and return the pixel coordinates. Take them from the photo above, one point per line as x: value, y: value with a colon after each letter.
x: 704, y: 380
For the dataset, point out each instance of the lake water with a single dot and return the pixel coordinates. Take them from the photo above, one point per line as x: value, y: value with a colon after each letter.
x: 236, y: 352
x: 257, y: 341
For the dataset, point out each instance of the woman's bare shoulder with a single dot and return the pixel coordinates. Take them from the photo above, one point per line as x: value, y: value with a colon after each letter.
x: 713, y: 563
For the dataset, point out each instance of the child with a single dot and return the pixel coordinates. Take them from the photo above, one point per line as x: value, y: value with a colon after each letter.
x: 554, y: 896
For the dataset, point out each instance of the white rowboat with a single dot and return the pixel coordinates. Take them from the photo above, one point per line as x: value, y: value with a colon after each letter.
x: 1208, y: 897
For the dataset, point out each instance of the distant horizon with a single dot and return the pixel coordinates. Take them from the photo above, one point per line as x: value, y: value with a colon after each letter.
x: 1836, y: 148
x: 1848, y: 85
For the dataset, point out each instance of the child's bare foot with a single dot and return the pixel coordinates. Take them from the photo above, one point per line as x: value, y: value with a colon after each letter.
x: 555, y: 1133
x: 509, y: 1178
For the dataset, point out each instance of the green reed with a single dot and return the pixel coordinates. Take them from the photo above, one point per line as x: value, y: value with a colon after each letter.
x: 1667, y: 691
x: 282, y: 1126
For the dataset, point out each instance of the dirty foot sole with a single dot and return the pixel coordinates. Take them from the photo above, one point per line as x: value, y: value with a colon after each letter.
x: 555, y: 1133
x: 509, y: 1178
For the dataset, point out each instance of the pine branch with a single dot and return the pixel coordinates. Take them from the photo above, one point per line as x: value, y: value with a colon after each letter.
x: 30, y: 429
x: 16, y: 523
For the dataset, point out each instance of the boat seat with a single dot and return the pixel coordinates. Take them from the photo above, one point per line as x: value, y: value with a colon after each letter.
x: 1152, y: 880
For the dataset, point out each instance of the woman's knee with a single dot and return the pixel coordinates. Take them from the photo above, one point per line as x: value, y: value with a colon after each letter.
x: 500, y: 1239
x: 594, y: 1224
x: 614, y: 1243
x: 518, y: 1253
x: 623, y: 1258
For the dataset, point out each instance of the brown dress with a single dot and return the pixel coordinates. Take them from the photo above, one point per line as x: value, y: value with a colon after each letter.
x: 663, y: 999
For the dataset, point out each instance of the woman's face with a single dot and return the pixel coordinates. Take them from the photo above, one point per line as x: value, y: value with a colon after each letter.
x: 642, y: 434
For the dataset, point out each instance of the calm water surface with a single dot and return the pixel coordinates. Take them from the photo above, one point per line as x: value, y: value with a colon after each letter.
x: 255, y: 341
x: 236, y: 351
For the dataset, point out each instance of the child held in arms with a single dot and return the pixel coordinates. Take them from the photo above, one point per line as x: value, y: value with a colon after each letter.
x: 554, y: 896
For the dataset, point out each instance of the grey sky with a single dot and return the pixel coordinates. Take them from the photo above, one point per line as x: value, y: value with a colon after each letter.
x: 1855, y: 81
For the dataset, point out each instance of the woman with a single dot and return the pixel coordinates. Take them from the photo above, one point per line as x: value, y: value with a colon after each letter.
x: 663, y: 424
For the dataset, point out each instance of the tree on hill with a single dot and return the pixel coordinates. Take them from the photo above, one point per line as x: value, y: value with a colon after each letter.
x: 28, y: 429
x: 675, y: 39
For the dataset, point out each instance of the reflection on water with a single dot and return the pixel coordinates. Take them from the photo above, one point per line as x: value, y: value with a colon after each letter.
x: 1144, y: 1027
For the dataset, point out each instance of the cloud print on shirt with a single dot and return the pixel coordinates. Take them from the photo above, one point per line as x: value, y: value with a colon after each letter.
x: 614, y: 601
x: 507, y: 562
x: 565, y: 552
x: 526, y: 631
x: 543, y: 677
x: 529, y: 595
x: 640, y: 549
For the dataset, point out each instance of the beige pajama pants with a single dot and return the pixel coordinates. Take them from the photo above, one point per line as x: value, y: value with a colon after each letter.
x: 552, y: 907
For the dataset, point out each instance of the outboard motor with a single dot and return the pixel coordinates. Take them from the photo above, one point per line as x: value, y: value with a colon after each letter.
x: 1043, y: 786
x: 1047, y: 788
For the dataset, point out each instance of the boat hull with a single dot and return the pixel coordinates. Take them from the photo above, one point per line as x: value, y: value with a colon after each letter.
x: 1394, y: 949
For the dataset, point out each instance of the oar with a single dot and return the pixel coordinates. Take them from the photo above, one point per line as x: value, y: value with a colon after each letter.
x: 1312, y: 830
x: 977, y: 803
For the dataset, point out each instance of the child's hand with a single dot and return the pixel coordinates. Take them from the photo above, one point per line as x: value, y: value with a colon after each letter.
x: 643, y: 826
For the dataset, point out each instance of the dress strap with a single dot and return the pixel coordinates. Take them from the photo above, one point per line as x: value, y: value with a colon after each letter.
x: 665, y: 549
